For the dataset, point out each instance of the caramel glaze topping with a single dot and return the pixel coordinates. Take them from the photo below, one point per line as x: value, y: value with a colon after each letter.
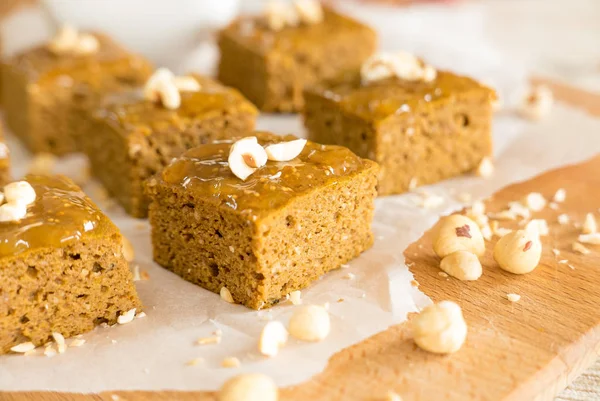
x: 382, y: 99
x: 204, y: 172
x: 254, y: 33
x: 130, y: 111
x: 61, y: 214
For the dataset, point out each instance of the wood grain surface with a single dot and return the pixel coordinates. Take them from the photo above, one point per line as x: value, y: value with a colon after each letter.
x: 530, y: 350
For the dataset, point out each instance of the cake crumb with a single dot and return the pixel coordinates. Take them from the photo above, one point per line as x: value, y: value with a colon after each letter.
x: 231, y: 249
x: 231, y: 362
x: 226, y: 295
x: 580, y: 248
x: 485, y: 168
x: 560, y: 195
x: 194, y: 362
x: 513, y: 297
x: 563, y: 219
x: 296, y: 297
x: 464, y: 197
x: 135, y: 272
x: 209, y: 340
x: 126, y: 317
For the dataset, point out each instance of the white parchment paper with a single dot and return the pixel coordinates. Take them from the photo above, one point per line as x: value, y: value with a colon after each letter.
x: 151, y: 353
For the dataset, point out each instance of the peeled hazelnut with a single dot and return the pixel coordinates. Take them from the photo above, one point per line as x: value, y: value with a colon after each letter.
x: 273, y: 336
x: 285, y: 151
x: 457, y: 233
x: 151, y: 86
x: 169, y: 94
x: 20, y: 192
x: 246, y: 156
x: 310, y: 323
x: 535, y: 201
x: 518, y: 252
x: 11, y: 212
x: 462, y: 265
x: 440, y: 328
x: 249, y: 387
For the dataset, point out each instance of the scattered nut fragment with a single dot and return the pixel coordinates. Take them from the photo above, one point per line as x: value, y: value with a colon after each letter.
x: 128, y: 252
x: 499, y: 231
x: 245, y: 156
x: 392, y: 396
x: 540, y: 226
x: 296, y: 297
x: 553, y: 205
x: 589, y: 226
x: 70, y: 40
x: 485, y: 168
x: 209, y: 340
x: 195, y: 361
x: 126, y: 317
x: 310, y: 323
x: 560, y: 195
x: 513, y: 297
x: 151, y: 87
x: 226, y: 295
x: 59, y: 339
x: 413, y: 183
x: 563, y: 219
x: 536, y: 103
x: 518, y: 252
x: 186, y: 84
x: 285, y: 151
x: 432, y: 201
x: 402, y: 65
x: 457, y: 233
x: 462, y: 265
x: 273, y: 336
x: 535, y: 201
x: 169, y: 94
x: 486, y: 232
x: 23, y: 347
x: 231, y: 362
x: 249, y: 387
x: 440, y: 328
x: 592, y: 239
x: 78, y: 342
x: 577, y: 247
x: 309, y: 11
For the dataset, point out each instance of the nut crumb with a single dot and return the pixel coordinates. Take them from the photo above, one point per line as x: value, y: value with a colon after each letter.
x: 414, y: 183
x: 59, y: 339
x: 560, y: 196
x: 464, y: 197
x: 553, y: 205
x: 513, y: 297
x: 577, y: 247
x: 226, y: 295
x: 272, y: 337
x: 78, y: 342
x: 209, y: 340
x: 128, y: 252
x: 563, y: 219
x: 126, y: 317
x: 23, y: 347
x: 556, y: 252
x: 536, y: 103
x: 231, y: 362
x: 589, y: 225
x: 485, y: 168
x: 563, y: 262
x: 310, y: 323
x: 350, y: 276
x: 592, y: 239
x: 296, y: 297
x: 442, y: 274
x: 535, y: 201
x: 194, y: 362
x: 140, y: 315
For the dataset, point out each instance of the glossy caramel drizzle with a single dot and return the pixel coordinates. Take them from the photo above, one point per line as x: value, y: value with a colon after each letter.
x: 204, y: 171
x: 61, y: 214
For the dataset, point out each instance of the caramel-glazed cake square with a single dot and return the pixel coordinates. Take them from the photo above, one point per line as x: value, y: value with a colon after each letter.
x: 135, y: 137
x: 62, y: 268
x: 276, y: 232
x: 44, y: 91
x: 283, y: 62
x: 420, y: 132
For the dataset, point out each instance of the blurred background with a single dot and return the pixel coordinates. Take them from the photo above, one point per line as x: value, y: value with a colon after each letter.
x: 552, y: 38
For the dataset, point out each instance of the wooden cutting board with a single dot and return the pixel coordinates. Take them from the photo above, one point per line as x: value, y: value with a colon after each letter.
x: 528, y: 350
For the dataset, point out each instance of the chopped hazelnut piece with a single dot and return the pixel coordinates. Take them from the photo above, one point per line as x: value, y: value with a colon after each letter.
x: 589, y: 226
x: 249, y: 387
x: 513, y: 297
x: 560, y: 196
x: 392, y: 396
x: 285, y: 151
x: 209, y: 340
x: 577, y: 247
x: 402, y: 65
x: 440, y: 328
x: 126, y: 317
x: 195, y: 361
x: 23, y: 347
x: 485, y: 168
x: 537, y: 103
x: 563, y: 219
x: 273, y: 336
x: 592, y: 239
x: 296, y: 297
x: 128, y: 252
x: 310, y: 323
x: 59, y: 339
x: 226, y: 295
x: 231, y: 362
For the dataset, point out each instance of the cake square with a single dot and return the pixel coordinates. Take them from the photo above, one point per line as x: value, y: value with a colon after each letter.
x: 134, y: 137
x: 283, y: 62
x: 276, y: 232
x: 43, y: 90
x: 419, y: 132
x: 62, y: 268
